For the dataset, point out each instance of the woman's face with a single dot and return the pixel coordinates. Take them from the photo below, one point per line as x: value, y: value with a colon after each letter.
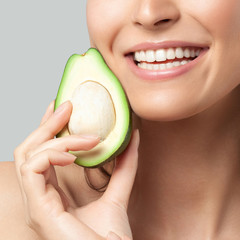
x: 174, y: 58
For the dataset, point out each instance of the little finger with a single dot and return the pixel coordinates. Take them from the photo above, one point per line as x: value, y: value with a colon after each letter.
x: 32, y: 172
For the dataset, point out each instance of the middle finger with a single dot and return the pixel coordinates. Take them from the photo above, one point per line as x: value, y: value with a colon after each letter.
x: 65, y: 144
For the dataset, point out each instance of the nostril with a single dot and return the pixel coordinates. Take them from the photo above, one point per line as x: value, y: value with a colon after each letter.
x: 166, y: 20
x: 162, y: 21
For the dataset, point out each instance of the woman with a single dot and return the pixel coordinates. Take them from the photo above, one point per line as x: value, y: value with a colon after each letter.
x: 178, y: 63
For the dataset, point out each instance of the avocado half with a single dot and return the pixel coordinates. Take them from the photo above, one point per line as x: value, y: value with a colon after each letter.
x: 100, y: 107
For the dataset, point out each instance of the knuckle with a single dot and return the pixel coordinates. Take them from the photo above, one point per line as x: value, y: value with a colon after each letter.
x: 36, y: 218
x: 31, y: 221
x: 24, y: 169
x: 28, y: 155
x: 121, y: 206
x: 17, y: 151
x: 32, y: 216
x: 47, y: 128
x: 46, y: 153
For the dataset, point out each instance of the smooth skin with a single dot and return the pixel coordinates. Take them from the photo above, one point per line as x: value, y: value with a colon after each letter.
x: 187, y: 182
x: 47, y: 207
x: 48, y: 211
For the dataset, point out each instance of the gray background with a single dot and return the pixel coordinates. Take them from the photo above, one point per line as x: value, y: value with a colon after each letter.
x: 36, y: 39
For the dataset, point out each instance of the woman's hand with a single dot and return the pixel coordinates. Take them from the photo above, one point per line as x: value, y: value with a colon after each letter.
x: 47, y: 209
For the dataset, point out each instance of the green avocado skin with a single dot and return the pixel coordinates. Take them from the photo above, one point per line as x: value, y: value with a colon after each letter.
x: 121, y: 146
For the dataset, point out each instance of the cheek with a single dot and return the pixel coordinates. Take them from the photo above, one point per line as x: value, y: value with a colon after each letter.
x: 220, y: 17
x: 105, y: 19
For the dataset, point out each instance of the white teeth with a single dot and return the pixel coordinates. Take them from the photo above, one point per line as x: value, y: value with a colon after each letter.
x: 150, y: 66
x: 142, y: 56
x: 179, y: 53
x: 184, y: 62
x: 150, y: 56
x: 137, y: 56
x: 144, y: 65
x: 154, y: 59
x: 155, y: 67
x: 192, y: 53
x: 176, y: 63
x: 171, y: 53
x: 169, y: 65
x: 162, y: 55
x: 197, y: 52
x: 187, y: 53
x: 162, y: 66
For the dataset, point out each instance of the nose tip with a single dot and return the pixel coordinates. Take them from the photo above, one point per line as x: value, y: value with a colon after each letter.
x: 152, y: 14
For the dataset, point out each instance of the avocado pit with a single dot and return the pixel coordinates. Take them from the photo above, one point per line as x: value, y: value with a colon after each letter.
x: 100, y: 107
x: 93, y: 111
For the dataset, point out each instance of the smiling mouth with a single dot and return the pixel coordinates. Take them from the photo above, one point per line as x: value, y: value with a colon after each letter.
x: 165, y: 58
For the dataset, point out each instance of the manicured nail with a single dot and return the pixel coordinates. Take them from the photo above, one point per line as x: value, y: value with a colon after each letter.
x: 138, y: 137
x: 92, y: 137
x: 113, y: 236
x: 51, y: 104
x: 71, y: 156
x: 61, y: 107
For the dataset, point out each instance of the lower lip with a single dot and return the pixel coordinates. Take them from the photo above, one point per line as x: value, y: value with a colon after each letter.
x: 163, y: 74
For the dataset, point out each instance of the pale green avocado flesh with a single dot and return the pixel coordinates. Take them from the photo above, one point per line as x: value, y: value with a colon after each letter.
x: 100, y: 107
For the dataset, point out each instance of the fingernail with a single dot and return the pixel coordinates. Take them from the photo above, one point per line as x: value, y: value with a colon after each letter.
x: 61, y: 107
x: 90, y: 136
x: 138, y: 137
x: 70, y: 155
x: 51, y: 104
x: 113, y: 236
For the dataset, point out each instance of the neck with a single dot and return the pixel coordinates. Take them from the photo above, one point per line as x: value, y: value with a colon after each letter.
x: 188, y: 175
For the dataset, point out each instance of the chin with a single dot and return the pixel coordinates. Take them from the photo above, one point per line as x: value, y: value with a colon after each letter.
x: 161, y: 114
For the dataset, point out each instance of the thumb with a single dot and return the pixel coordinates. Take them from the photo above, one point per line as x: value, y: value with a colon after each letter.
x: 113, y: 236
x: 126, y: 238
x: 121, y: 183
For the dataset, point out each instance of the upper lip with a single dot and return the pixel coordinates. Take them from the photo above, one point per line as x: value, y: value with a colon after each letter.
x: 166, y: 44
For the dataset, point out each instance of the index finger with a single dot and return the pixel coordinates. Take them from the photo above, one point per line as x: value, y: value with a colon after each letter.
x: 48, y: 113
x: 56, y: 122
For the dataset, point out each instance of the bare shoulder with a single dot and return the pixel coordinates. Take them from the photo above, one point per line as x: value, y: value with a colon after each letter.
x: 12, y: 219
